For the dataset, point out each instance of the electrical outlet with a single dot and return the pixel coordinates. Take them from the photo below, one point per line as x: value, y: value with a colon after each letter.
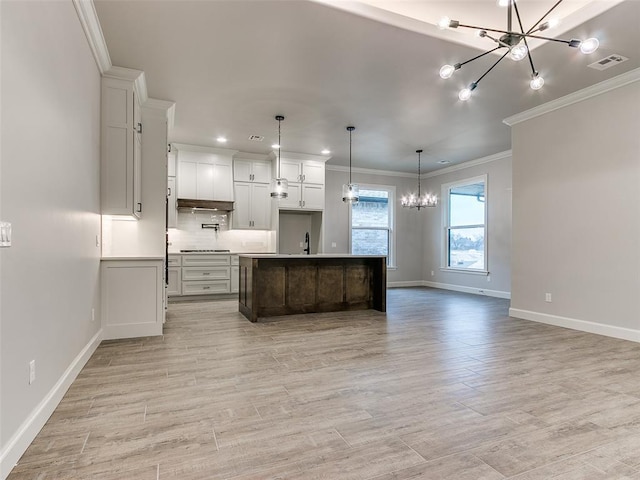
x: 488, y: 278
x: 97, y: 241
x: 334, y: 244
x: 301, y: 244
x: 547, y: 297
x: 32, y: 371
x: 93, y: 314
x: 432, y: 273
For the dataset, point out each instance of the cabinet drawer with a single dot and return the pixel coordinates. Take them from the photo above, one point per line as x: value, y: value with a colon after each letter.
x: 205, y: 273
x: 175, y: 260
x: 203, y: 288
x: 205, y: 260
x: 235, y: 260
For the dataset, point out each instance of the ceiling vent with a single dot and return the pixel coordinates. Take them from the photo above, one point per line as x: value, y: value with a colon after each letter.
x: 608, y: 62
x: 256, y: 138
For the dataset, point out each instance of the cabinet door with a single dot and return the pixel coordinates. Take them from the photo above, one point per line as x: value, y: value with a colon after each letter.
x: 116, y: 174
x: 204, y: 180
x: 172, y: 217
x: 222, y: 181
x: 260, y: 206
x: 261, y: 172
x: 242, y: 206
x: 175, y: 282
x: 137, y: 175
x: 241, y: 171
x: 187, y: 179
x: 313, y: 196
x: 294, y: 199
x: 235, y: 279
x: 171, y: 164
x: 313, y: 172
x: 291, y: 170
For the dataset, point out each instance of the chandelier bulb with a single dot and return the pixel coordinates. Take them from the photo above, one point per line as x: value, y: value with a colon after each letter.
x: 465, y: 94
x: 502, y: 3
x: 590, y: 45
x: 446, y: 71
x: 518, y: 52
x: 536, y: 81
x: 444, y: 23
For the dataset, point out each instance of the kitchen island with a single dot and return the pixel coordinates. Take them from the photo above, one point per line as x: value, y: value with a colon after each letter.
x: 272, y: 285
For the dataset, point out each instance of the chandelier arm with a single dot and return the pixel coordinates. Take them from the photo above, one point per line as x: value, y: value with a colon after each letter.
x: 524, y: 39
x: 482, y: 54
x: 492, y: 67
x: 544, y: 16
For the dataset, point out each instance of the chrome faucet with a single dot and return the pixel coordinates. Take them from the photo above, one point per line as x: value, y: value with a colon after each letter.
x: 306, y: 241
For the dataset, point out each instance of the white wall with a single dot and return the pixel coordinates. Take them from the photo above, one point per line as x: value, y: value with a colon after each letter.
x: 50, y: 139
x: 576, y: 215
x: 498, y: 194
x: 409, y: 231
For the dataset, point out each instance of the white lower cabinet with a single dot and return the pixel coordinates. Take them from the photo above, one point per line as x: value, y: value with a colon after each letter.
x: 206, y: 274
x: 174, y: 286
x: 235, y: 274
x: 132, y: 297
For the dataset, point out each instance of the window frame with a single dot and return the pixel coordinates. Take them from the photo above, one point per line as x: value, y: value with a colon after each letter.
x: 446, y: 217
x: 391, y: 191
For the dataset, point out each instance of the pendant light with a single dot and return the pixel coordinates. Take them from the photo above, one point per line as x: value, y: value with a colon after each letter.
x: 418, y: 201
x: 350, y: 191
x: 279, y: 185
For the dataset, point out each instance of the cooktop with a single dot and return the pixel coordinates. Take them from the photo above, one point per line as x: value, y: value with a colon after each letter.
x: 205, y: 251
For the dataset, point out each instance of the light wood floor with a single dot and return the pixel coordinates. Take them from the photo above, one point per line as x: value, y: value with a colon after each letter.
x: 444, y: 386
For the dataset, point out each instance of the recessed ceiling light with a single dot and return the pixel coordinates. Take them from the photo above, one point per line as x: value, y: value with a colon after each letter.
x: 275, y: 145
x: 221, y: 140
x: 326, y: 151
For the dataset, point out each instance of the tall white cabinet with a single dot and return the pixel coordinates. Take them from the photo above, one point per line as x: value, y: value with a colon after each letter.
x: 121, y: 146
x: 252, y: 209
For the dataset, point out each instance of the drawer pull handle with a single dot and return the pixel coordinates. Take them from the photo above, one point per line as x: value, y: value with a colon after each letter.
x: 206, y: 273
x: 206, y: 288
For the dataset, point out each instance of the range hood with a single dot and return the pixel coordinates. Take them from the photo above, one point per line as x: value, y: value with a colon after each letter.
x: 205, y: 205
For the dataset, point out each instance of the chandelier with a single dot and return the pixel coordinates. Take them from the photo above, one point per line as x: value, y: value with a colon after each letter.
x: 279, y: 185
x: 418, y: 201
x: 350, y: 191
x: 515, y: 43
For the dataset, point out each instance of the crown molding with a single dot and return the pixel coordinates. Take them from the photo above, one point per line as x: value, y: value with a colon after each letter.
x: 254, y: 156
x: 369, y: 171
x: 575, y: 97
x: 91, y: 25
x: 302, y: 156
x: 435, y: 173
x: 162, y: 108
x: 203, y: 149
x: 470, y: 163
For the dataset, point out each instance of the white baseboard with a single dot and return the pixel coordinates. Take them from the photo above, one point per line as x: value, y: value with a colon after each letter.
x: 410, y: 283
x: 461, y: 288
x: 20, y: 441
x: 575, y: 324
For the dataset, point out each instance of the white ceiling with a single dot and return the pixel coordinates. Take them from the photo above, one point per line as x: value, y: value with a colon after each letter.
x: 231, y: 66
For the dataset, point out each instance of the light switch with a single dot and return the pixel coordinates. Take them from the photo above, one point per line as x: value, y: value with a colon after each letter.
x: 5, y: 234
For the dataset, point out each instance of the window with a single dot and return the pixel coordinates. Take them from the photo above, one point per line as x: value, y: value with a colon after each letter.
x: 465, y: 225
x: 372, y: 222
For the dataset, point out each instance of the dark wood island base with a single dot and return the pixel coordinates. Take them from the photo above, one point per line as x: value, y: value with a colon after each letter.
x: 272, y: 285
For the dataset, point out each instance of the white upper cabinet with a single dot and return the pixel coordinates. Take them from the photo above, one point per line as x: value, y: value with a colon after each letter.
x: 121, y: 146
x: 306, y: 181
x: 204, y: 173
x: 251, y: 171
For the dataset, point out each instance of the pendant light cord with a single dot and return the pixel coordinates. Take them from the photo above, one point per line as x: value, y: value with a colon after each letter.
x: 279, y: 146
x: 419, y: 151
x: 350, y: 156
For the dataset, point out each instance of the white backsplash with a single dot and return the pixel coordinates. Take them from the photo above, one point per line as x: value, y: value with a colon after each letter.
x: 190, y: 235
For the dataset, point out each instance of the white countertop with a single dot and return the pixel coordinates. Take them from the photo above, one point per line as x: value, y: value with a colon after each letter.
x: 104, y: 259
x: 319, y: 255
